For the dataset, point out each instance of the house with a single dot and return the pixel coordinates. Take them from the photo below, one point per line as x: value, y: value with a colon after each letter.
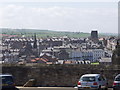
x: 105, y: 61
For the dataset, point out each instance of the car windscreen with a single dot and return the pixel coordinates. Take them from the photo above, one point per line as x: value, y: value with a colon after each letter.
x: 7, y: 79
x: 88, y: 79
x: 117, y: 78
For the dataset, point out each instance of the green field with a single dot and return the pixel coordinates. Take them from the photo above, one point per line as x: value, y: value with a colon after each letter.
x: 48, y: 33
x: 43, y: 33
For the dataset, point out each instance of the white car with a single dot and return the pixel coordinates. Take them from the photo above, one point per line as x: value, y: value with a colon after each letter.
x: 116, y: 83
x: 92, y: 81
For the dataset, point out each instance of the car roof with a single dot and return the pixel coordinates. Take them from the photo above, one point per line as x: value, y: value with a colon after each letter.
x: 1, y: 75
x: 91, y: 75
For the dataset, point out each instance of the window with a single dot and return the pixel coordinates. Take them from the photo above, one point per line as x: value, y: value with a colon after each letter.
x: 117, y: 79
x: 101, y: 78
x: 90, y: 79
x: 6, y: 79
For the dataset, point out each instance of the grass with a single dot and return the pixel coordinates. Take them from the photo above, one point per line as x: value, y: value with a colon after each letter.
x: 96, y: 63
x: 43, y: 33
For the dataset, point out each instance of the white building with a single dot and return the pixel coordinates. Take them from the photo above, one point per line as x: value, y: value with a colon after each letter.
x: 106, y: 61
x: 98, y: 54
x: 76, y: 55
x: 92, y: 55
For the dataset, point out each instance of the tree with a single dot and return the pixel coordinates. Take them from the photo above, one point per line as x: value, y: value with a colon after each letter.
x: 116, y: 54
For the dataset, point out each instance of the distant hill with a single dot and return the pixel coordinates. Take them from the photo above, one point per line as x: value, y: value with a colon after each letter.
x: 108, y: 34
x: 48, y: 33
x: 43, y: 33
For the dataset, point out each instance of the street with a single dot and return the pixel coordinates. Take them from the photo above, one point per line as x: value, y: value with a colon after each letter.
x: 49, y: 88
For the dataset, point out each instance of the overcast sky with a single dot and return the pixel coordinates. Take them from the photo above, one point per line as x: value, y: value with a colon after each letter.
x: 60, y: 15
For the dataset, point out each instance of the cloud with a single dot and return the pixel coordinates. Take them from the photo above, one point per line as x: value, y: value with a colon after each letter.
x: 59, y: 18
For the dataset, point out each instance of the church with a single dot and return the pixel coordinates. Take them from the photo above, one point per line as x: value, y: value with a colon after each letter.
x: 28, y: 51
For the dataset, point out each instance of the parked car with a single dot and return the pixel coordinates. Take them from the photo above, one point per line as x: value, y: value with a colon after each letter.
x: 7, y: 81
x: 92, y: 81
x: 116, y: 83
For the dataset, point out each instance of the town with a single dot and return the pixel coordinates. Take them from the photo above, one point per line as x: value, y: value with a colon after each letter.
x: 58, y: 50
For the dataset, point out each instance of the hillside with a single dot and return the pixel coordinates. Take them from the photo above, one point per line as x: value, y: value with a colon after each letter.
x: 43, y: 33
x: 49, y: 33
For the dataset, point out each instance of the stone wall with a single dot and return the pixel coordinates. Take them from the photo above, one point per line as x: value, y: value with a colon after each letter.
x: 58, y: 75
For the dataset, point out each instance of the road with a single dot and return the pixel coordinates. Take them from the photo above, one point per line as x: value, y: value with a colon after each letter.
x: 49, y: 88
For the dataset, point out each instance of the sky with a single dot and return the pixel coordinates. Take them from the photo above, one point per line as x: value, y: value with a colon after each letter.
x: 60, y: 15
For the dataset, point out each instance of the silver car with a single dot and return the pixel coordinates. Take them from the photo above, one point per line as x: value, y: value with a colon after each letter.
x: 92, y: 81
x: 116, y: 83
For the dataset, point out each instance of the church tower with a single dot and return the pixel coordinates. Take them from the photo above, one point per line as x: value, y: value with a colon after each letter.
x: 35, y: 42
